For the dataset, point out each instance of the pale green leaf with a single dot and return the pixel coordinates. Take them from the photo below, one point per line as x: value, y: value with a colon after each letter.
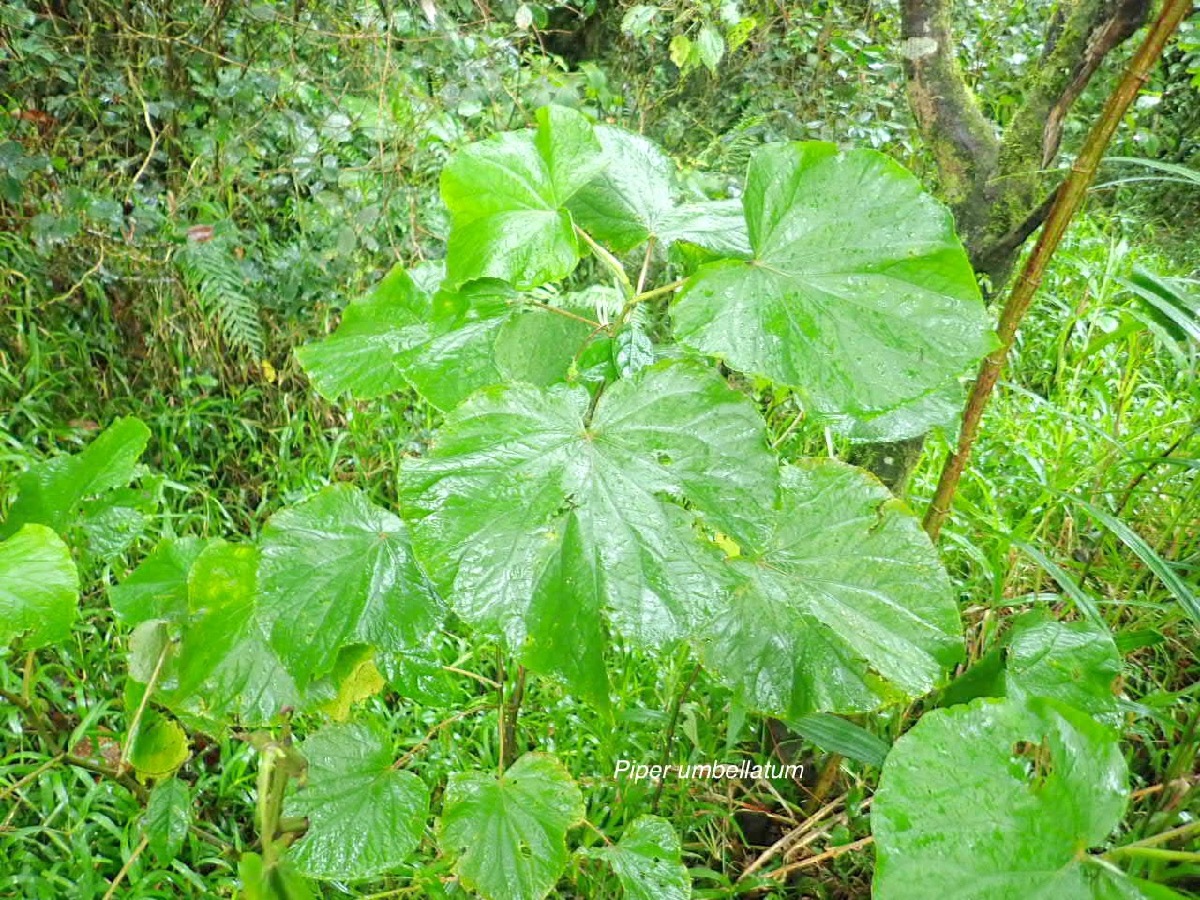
x: 999, y: 800
x: 507, y: 198
x: 635, y: 198
x: 158, y: 587
x: 509, y: 833
x: 859, y: 296
x: 647, y: 861
x: 337, y: 571
x: 364, y: 817
x: 160, y: 746
x: 39, y: 588
x: 844, y: 606
x: 1074, y: 662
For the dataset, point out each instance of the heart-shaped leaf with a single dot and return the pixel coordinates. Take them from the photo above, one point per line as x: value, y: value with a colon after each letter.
x: 507, y: 198
x: 364, y: 817
x: 544, y: 524
x: 635, y: 198
x: 647, y: 861
x: 999, y: 799
x: 337, y: 571
x: 445, y: 344
x: 39, y: 588
x: 859, y: 295
x: 510, y: 832
x: 842, y: 607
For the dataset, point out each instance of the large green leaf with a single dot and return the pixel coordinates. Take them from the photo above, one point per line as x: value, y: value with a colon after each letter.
x: 364, y: 817
x: 859, y: 295
x: 1074, y: 662
x: 507, y: 197
x: 50, y: 492
x: 225, y: 667
x: 998, y: 800
x: 843, y: 606
x: 359, y: 358
x: 510, y: 832
x: 158, y: 587
x: 337, y: 571
x: 446, y: 344
x: 39, y: 588
x: 635, y: 198
x: 545, y: 527
x: 647, y: 861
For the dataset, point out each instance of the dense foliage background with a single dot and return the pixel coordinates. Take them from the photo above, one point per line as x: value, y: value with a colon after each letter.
x: 190, y: 190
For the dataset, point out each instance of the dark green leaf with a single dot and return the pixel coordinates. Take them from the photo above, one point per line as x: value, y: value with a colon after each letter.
x: 364, y: 817
x: 337, y: 571
x: 531, y: 518
x: 837, y: 735
x: 51, y: 491
x: 510, y: 833
x: 167, y: 818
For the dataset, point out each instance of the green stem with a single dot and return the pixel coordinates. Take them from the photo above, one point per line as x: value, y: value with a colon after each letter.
x: 1153, y: 853
x: 610, y: 261
x: 136, y: 724
x: 669, y: 742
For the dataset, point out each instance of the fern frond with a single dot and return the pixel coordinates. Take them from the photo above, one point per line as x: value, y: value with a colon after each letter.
x: 215, y: 279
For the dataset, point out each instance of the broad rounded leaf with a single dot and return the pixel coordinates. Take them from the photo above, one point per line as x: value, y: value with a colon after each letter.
x: 337, y: 571
x: 545, y: 528
x: 647, y: 861
x: 998, y: 800
x: 634, y: 199
x: 39, y: 588
x: 159, y: 747
x: 510, y: 832
x: 859, y: 296
x: 1074, y: 662
x: 51, y: 491
x: 167, y: 818
x: 844, y: 606
x: 158, y: 587
x: 224, y: 665
x: 364, y: 817
x: 359, y: 358
x: 445, y: 345
x: 507, y: 198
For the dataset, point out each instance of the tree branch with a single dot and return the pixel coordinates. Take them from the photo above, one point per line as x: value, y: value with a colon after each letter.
x: 951, y: 123
x: 1080, y: 36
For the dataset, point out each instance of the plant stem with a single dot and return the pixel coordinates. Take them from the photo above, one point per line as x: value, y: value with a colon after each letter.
x: 1067, y: 201
x: 509, y: 713
x: 669, y: 741
x: 645, y: 270
x: 136, y: 724
x: 610, y: 261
